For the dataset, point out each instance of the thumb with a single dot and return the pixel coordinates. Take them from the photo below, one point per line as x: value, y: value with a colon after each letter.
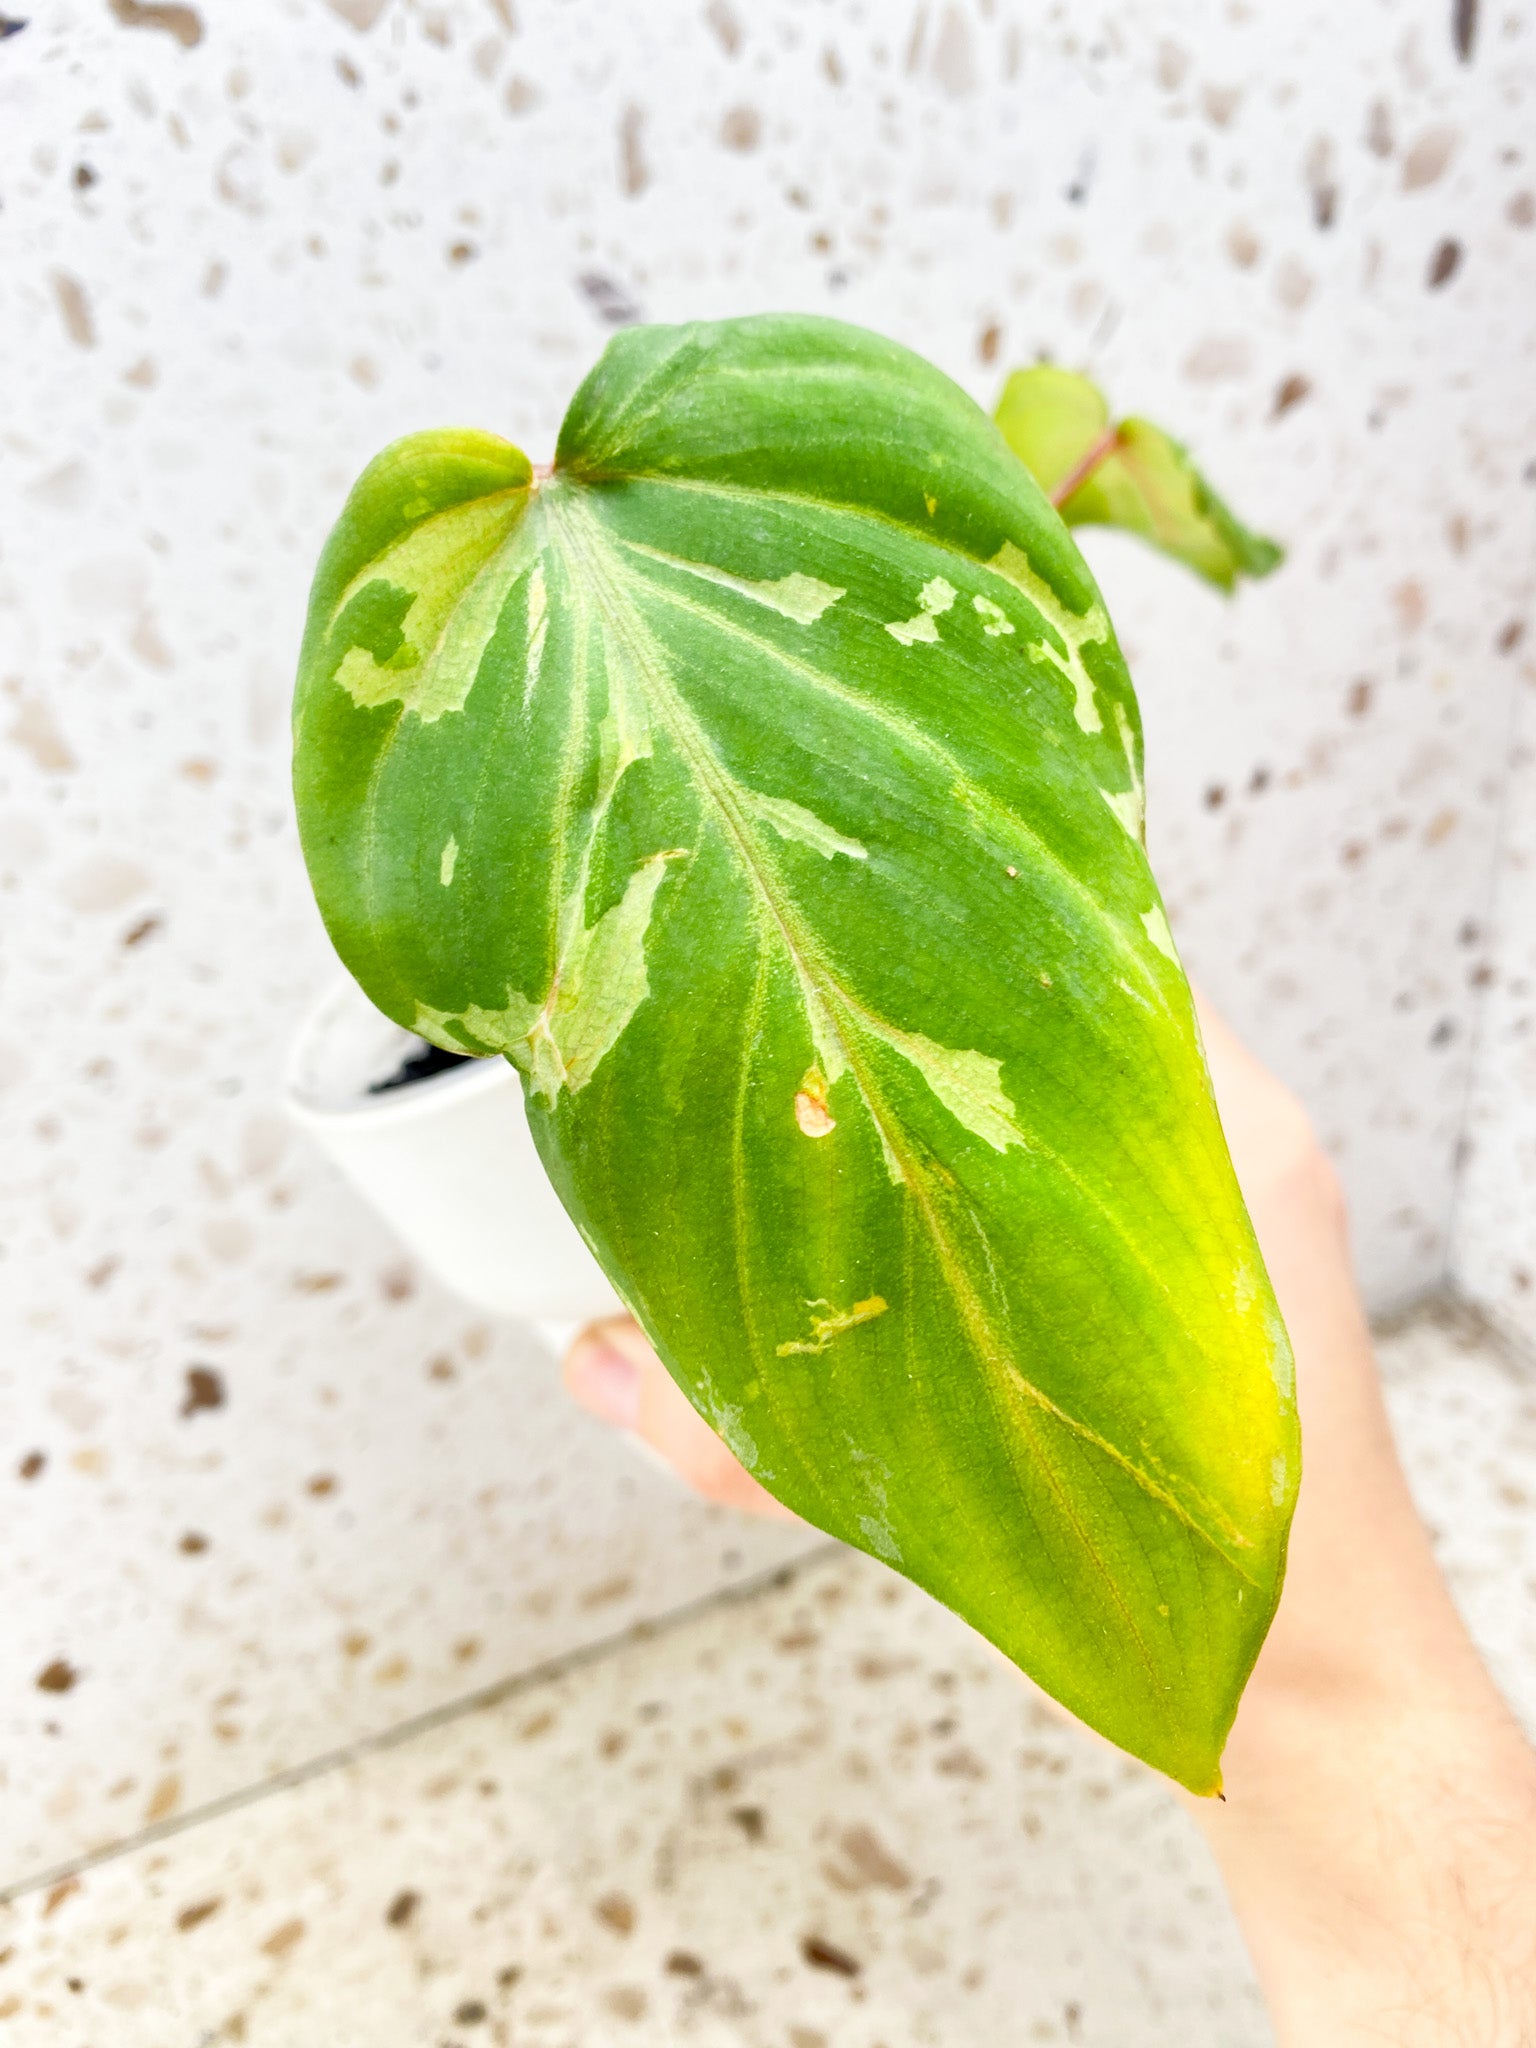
x: 615, y: 1374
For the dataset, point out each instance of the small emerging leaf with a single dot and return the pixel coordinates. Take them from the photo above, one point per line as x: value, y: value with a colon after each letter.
x: 1132, y: 475
x: 766, y: 784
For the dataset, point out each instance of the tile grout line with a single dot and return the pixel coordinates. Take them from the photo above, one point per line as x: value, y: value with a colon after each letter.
x: 401, y: 1732
x: 1440, y: 1304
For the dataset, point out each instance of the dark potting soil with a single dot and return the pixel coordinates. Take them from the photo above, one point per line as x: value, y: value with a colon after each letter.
x: 420, y: 1065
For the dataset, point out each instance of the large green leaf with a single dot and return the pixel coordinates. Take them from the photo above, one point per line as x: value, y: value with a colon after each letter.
x: 766, y: 784
x: 1133, y: 475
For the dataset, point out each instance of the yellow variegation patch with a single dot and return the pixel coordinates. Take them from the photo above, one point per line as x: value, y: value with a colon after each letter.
x: 786, y: 835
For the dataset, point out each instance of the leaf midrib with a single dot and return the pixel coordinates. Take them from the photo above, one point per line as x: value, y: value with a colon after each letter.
x: 575, y: 524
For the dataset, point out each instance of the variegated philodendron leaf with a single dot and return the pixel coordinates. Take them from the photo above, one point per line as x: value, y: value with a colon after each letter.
x: 1132, y: 475
x: 765, y: 783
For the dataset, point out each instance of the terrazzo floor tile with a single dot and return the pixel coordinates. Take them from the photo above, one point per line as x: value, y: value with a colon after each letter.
x: 818, y: 1814
x: 264, y: 1489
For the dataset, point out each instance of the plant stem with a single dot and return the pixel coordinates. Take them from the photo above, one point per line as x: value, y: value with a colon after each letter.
x: 1074, y: 479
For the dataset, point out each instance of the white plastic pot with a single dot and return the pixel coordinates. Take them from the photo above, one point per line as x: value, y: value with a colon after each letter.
x: 448, y: 1162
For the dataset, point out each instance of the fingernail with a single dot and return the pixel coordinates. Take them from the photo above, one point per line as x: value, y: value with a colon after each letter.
x: 605, y: 1381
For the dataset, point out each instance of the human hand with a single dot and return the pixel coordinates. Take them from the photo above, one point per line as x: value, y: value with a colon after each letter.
x: 1292, y: 1195
x: 1378, y: 1837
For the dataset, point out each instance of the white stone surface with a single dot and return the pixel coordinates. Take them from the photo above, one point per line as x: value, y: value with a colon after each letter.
x: 639, y: 1851
x: 231, y: 266
x: 1495, y: 1238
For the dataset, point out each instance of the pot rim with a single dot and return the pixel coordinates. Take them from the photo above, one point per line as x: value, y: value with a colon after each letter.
x: 311, y: 1105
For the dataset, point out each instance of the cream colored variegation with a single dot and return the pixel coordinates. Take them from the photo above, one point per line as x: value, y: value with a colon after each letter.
x: 765, y: 784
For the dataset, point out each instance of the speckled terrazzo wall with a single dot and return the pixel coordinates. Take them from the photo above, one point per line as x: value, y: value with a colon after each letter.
x: 266, y: 1489
x: 1494, y: 1242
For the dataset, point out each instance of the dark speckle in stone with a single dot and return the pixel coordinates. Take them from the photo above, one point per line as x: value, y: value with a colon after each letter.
x: 1444, y: 264
x: 205, y: 1389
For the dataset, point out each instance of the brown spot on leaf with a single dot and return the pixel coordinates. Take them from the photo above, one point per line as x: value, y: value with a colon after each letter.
x: 826, y: 1955
x: 193, y: 1543
x: 683, y: 1963
x: 1464, y: 28
x: 626, y: 2002
x: 194, y: 1916
x: 402, y: 1909
x: 145, y: 928
x: 1359, y: 699
x: 1290, y: 392
x: 1521, y: 209
x: 64, y: 1889
x: 989, y: 341
x: 470, y: 2013
x: 205, y: 1389
x: 751, y: 1820
x: 59, y: 1676
x: 1510, y: 636
x: 32, y: 1464
x: 322, y: 1484
x: 184, y: 23
x: 812, y: 1112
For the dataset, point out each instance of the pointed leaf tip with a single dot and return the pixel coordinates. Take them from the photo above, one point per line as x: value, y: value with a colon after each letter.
x: 885, y: 1106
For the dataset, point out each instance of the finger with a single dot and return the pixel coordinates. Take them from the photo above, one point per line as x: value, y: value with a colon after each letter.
x: 614, y: 1373
x: 1275, y: 1153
